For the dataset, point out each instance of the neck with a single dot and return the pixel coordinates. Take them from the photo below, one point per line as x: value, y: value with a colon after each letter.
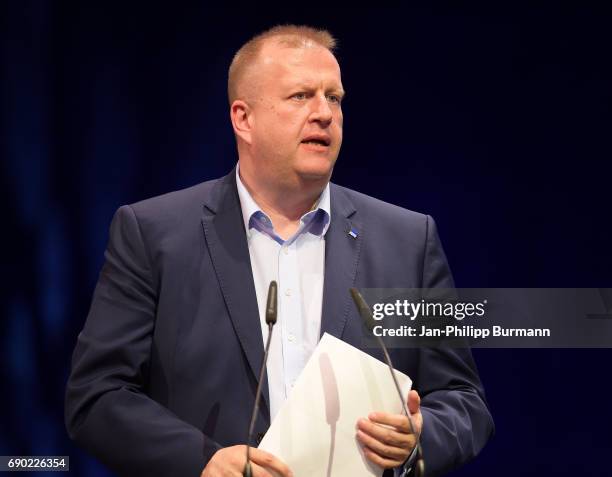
x: 284, y: 205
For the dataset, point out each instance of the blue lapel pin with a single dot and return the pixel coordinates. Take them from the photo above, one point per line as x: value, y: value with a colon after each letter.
x: 353, y: 232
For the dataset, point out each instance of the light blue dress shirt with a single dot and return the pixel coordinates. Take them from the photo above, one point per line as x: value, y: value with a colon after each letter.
x: 298, y: 266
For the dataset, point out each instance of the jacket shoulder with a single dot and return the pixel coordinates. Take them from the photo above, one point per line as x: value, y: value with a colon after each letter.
x: 170, y: 212
x: 179, y: 202
x: 380, y: 211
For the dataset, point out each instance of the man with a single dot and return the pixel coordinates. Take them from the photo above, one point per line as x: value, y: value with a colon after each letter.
x: 164, y: 372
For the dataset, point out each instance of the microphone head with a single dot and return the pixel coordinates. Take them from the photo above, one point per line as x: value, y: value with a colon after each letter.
x: 271, y: 304
x: 363, y: 308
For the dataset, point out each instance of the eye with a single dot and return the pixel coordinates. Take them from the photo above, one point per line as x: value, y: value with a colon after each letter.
x: 334, y: 98
x: 299, y: 96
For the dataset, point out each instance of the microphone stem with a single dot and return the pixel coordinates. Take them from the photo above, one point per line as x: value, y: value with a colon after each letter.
x: 420, y: 467
x: 262, y: 373
x: 366, y: 315
x: 392, y: 371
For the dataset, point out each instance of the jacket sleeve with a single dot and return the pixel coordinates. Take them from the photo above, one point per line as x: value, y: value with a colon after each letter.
x: 456, y: 420
x: 107, y: 409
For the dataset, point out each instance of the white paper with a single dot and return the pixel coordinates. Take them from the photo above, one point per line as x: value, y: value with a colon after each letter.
x: 314, y: 432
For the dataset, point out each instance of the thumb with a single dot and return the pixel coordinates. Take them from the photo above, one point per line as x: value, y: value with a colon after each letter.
x: 414, y: 402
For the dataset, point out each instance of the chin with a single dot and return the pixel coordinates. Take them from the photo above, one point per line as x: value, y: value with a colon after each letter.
x: 315, y: 174
x: 315, y: 169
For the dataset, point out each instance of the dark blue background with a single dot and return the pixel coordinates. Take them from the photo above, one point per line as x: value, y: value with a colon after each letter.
x: 495, y: 120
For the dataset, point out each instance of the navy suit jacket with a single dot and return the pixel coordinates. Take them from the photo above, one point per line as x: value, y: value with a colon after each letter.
x: 165, y: 370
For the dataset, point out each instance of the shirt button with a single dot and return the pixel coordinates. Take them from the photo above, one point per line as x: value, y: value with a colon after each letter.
x: 288, y: 292
x: 286, y: 250
x: 291, y: 337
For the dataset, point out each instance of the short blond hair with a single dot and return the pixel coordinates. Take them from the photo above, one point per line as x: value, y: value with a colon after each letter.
x: 292, y: 36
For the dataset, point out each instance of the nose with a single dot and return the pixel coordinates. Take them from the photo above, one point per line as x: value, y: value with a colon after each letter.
x: 321, y: 111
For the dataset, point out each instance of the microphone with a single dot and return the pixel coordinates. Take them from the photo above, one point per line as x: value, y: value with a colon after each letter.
x: 366, y: 316
x: 271, y: 314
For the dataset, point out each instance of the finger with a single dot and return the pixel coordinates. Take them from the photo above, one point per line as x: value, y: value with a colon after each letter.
x: 399, y: 454
x: 259, y: 471
x: 384, y: 434
x: 381, y: 461
x: 265, y: 459
x: 397, y: 421
x: 414, y: 402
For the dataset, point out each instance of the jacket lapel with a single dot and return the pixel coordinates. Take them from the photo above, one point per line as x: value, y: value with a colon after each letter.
x: 342, y: 250
x: 227, y: 245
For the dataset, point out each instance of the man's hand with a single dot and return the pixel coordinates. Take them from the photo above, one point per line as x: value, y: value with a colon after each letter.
x: 230, y: 461
x: 386, y: 438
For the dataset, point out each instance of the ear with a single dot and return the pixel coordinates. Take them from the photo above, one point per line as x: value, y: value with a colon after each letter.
x: 241, y: 115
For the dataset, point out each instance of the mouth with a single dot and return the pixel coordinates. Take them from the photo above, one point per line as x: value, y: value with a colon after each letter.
x: 317, y: 140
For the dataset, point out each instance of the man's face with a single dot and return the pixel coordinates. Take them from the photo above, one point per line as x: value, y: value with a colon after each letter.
x: 296, y: 115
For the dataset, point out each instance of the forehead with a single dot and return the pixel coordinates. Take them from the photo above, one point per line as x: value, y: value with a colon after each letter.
x: 310, y: 62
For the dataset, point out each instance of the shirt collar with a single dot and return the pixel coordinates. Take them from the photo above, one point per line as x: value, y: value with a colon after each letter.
x: 320, y: 212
